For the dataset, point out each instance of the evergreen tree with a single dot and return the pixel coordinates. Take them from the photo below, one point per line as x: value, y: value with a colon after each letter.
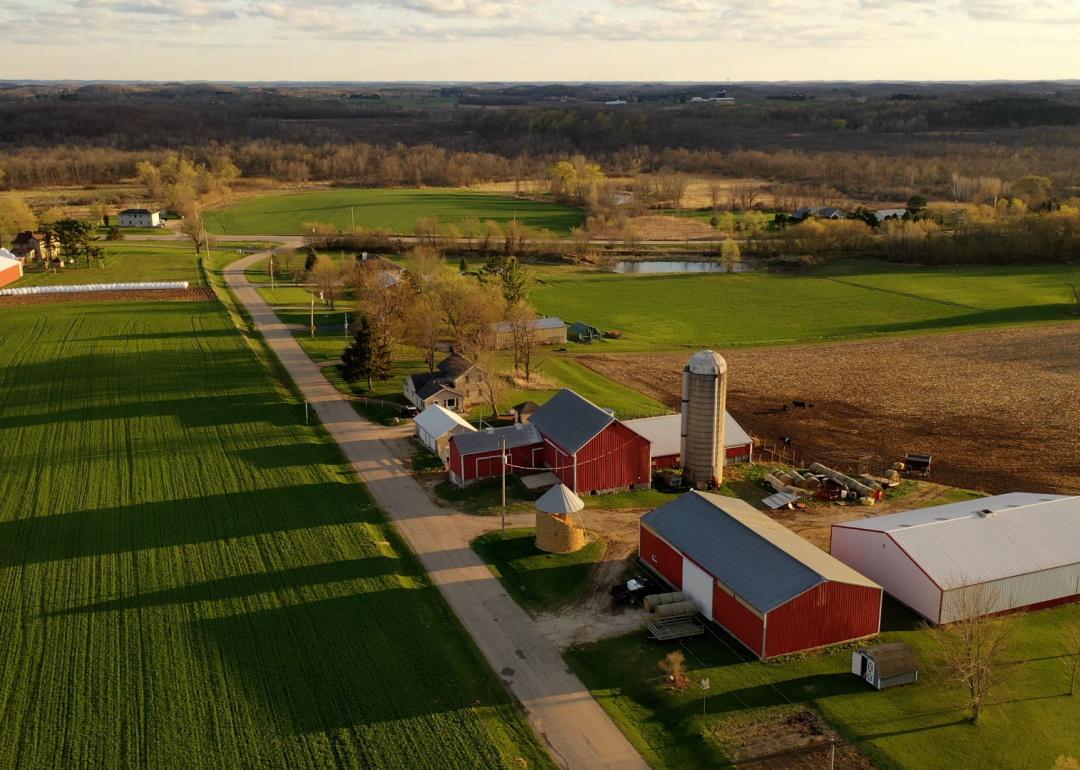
x: 515, y: 282
x: 368, y: 357
x: 312, y: 258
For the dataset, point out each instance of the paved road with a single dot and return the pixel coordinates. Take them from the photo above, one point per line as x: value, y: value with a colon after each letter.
x: 577, y: 730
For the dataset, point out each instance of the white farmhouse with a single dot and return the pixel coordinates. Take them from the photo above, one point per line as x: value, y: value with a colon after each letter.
x: 140, y: 218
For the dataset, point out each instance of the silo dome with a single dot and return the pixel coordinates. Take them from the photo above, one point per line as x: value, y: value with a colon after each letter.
x: 707, y: 362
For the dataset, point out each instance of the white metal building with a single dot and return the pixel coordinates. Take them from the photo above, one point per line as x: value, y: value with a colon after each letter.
x: 1007, y: 552
x: 434, y: 427
x: 140, y: 218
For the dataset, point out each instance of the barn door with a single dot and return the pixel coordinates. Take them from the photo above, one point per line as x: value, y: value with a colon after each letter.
x: 697, y: 584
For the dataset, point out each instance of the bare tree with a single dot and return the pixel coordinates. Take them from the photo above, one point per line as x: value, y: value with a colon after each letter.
x: 973, y: 650
x: 423, y: 325
x: 1074, y: 289
x: 673, y: 666
x: 327, y: 278
x: 491, y: 382
x: 1070, y: 638
x: 522, y: 321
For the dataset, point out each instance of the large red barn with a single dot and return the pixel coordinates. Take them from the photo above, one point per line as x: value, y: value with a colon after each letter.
x: 588, y: 449
x: 769, y: 588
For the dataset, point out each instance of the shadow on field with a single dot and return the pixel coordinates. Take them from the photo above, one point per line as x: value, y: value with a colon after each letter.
x: 370, y: 659
x: 180, y: 522
x: 240, y: 586
x: 1010, y: 315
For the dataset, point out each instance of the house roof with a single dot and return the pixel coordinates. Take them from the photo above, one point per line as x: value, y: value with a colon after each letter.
x: 665, y: 433
x: 525, y: 407
x: 427, y: 385
x: 559, y: 500
x: 570, y: 420
x: 763, y: 562
x: 580, y: 326
x: 989, y: 538
x: 24, y: 237
x: 536, y: 323
x: 491, y: 439
x: 454, y: 365
x: 136, y: 212
x: 438, y: 420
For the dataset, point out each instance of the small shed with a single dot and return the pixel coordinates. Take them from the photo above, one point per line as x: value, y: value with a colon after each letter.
x: 583, y: 332
x: 434, y: 427
x: 886, y: 665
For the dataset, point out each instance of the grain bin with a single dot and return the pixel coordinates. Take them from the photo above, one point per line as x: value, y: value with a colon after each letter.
x: 704, y: 400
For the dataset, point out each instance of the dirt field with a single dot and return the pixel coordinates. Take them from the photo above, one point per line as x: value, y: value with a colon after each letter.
x: 998, y: 409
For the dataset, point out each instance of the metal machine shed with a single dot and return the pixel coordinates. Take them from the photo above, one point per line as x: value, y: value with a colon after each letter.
x: 769, y: 588
x: 436, y: 424
x: 993, y: 554
x: 665, y: 436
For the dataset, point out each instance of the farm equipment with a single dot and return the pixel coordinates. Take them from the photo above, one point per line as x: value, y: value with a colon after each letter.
x: 670, y: 629
x: 917, y: 464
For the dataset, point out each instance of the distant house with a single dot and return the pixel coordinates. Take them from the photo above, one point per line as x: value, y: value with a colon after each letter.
x: 546, y: 331
x: 456, y: 384
x: 10, y: 268
x: 33, y: 246
x: 434, y: 427
x: 582, y: 332
x: 820, y: 212
x: 140, y: 218
x: 882, y: 214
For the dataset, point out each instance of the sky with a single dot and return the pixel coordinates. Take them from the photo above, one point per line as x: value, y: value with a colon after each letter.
x: 540, y: 40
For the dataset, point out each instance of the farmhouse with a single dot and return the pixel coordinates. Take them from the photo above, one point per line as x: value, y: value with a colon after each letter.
x: 10, y: 268
x: 664, y: 435
x: 821, y: 212
x: 882, y: 214
x: 456, y: 384
x: 766, y: 586
x: 582, y: 445
x: 583, y: 332
x: 434, y: 427
x: 544, y: 331
x: 989, y: 555
x: 33, y: 246
x: 140, y: 218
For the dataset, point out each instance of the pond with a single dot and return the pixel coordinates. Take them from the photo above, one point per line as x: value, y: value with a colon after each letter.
x: 676, y: 266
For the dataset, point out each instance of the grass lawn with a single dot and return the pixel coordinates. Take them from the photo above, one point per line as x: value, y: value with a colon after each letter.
x: 844, y: 300
x: 484, y: 498
x: 395, y: 210
x: 538, y: 581
x: 190, y: 576
x: 127, y: 261
x: 918, y: 727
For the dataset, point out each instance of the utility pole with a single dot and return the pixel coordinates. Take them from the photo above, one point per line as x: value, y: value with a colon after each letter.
x: 504, y: 484
x: 271, y: 271
x: 312, y: 316
x: 352, y: 218
x: 346, y: 326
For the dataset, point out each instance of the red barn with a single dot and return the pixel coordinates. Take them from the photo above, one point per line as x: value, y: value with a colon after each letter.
x: 588, y: 449
x: 10, y: 268
x: 475, y: 456
x: 769, y: 588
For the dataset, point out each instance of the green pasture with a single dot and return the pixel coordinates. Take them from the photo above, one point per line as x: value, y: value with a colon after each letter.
x: 126, y: 261
x: 191, y: 577
x: 1031, y: 722
x: 846, y: 300
x: 538, y: 581
x: 395, y: 209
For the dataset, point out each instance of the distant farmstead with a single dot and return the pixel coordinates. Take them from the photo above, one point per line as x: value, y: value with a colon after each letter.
x: 456, y: 384
x: 544, y: 331
x: 769, y: 588
x: 140, y: 218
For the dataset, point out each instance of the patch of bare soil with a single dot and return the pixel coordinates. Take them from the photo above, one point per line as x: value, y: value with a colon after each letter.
x: 192, y: 294
x: 998, y: 409
x: 786, y: 739
x: 657, y: 227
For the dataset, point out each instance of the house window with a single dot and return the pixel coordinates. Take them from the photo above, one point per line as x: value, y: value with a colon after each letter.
x: 452, y: 403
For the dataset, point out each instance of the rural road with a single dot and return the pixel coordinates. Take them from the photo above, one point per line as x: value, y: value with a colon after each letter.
x: 578, y: 732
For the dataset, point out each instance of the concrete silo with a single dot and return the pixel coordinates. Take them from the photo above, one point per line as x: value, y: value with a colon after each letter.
x: 704, y: 400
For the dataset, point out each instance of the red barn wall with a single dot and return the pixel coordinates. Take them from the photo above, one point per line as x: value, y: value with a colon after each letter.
x: 485, y: 465
x: 737, y: 619
x: 10, y: 274
x: 829, y: 613
x: 660, y: 556
x: 616, y: 458
x: 738, y: 453
x: 665, y: 461
x: 560, y: 463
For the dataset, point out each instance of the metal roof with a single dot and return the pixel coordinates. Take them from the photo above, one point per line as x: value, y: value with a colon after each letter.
x: 989, y: 538
x: 438, y: 420
x: 559, y: 500
x: 665, y: 433
x: 763, y: 562
x: 570, y: 420
x: 536, y: 323
x: 490, y: 440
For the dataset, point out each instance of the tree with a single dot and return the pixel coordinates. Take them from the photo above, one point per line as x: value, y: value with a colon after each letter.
x: 673, y: 667
x: 114, y: 234
x: 1074, y: 290
x: 75, y: 237
x: 99, y: 209
x: 327, y: 277
x: 491, y: 382
x: 310, y: 259
x: 463, y: 266
x: 15, y: 217
x: 426, y: 231
x: 366, y: 358
x: 973, y: 650
x: 522, y: 321
x: 515, y: 282
x: 423, y: 326
x: 730, y: 255
x: 916, y: 203
x: 425, y: 266
x: 1071, y: 641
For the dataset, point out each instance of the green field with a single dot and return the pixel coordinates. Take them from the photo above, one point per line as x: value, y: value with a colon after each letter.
x: 538, y: 581
x: 917, y: 727
x: 845, y: 300
x: 127, y: 261
x: 190, y: 577
x: 395, y: 210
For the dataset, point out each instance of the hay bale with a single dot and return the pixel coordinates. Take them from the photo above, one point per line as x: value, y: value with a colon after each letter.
x: 558, y: 534
x: 676, y: 609
x: 655, y: 600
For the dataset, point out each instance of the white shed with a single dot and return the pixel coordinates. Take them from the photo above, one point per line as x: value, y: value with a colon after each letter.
x: 996, y: 554
x: 434, y: 427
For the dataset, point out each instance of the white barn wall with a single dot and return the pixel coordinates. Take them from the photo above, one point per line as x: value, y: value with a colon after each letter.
x: 1013, y: 592
x: 697, y: 584
x: 875, y: 555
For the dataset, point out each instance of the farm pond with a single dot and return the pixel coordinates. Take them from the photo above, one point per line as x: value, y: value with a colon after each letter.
x: 677, y: 266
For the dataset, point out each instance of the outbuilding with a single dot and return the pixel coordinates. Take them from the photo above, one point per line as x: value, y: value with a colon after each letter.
x: 588, y: 449
x: 583, y: 332
x: 11, y: 268
x: 542, y: 331
x: 886, y: 665
x: 665, y: 439
x: 769, y: 588
x: 478, y: 455
x: 434, y: 427
x: 140, y: 218
x: 983, y: 556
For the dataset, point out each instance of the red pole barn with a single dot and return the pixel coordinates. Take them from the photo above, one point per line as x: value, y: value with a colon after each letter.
x: 769, y: 588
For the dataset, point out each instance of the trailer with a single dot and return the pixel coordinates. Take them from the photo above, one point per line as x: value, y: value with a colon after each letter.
x: 917, y: 464
x: 671, y: 629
